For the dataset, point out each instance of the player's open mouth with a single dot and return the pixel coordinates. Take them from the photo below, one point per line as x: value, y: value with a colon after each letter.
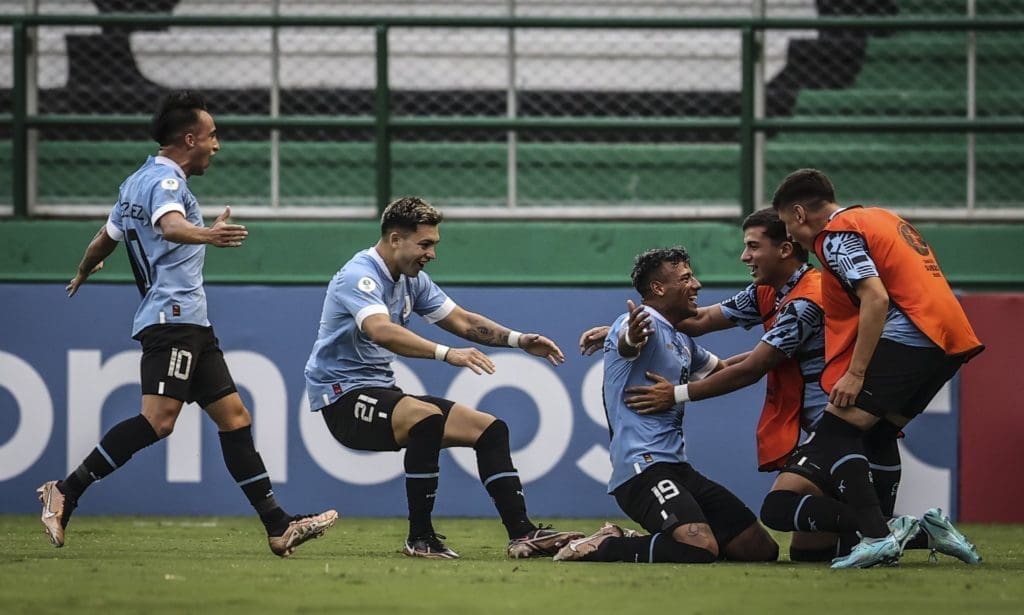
x: 753, y: 270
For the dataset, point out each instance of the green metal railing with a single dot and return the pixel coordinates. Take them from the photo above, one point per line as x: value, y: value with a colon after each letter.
x: 384, y: 122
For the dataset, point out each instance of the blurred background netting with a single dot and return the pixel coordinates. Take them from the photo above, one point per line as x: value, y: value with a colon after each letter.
x: 551, y: 73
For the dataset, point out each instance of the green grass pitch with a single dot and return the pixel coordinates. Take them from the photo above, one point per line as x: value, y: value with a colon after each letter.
x: 222, y: 565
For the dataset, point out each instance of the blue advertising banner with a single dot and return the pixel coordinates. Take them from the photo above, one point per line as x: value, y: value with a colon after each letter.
x: 69, y: 371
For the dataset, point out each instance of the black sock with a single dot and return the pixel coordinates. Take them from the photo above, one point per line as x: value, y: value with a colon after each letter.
x: 883, y: 453
x: 824, y: 554
x: 787, y: 511
x: 650, y: 549
x: 843, y: 445
x: 421, y: 472
x: 500, y: 478
x: 246, y: 467
x: 846, y: 544
x: 918, y: 542
x: 114, y: 450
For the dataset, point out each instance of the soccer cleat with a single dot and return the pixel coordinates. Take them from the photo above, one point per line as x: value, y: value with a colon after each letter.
x: 904, y: 528
x: 871, y: 552
x: 429, y: 546
x: 56, y: 512
x: 945, y: 538
x: 544, y: 541
x: 582, y: 547
x: 301, y: 529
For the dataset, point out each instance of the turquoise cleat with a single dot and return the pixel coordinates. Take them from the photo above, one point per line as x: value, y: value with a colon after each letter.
x: 945, y: 538
x: 904, y: 529
x: 871, y: 552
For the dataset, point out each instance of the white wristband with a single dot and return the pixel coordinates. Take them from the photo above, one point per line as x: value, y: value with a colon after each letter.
x: 440, y: 352
x: 513, y: 339
x: 682, y: 393
x: 629, y: 342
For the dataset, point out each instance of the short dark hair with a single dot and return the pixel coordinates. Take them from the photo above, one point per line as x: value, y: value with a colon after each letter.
x: 808, y: 187
x: 407, y: 213
x: 769, y: 220
x: 647, y: 264
x: 178, y: 111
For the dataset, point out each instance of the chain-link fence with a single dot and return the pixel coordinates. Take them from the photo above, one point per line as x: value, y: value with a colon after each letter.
x: 527, y: 73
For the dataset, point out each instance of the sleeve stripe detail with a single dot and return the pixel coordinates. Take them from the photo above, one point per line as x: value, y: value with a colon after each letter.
x: 707, y: 369
x: 165, y: 208
x: 369, y: 311
x: 441, y: 312
x: 115, y: 233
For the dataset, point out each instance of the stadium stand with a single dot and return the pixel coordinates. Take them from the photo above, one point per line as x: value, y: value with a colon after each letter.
x: 828, y: 74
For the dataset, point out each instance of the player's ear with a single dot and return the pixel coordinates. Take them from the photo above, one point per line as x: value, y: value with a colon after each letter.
x: 786, y: 249
x: 657, y: 288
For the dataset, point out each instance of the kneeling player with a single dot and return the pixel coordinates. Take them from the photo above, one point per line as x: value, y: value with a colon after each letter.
x: 691, y: 519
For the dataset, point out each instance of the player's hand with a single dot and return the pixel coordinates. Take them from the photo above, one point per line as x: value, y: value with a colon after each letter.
x: 593, y: 339
x: 540, y: 346
x: 223, y: 234
x: 639, y: 324
x: 846, y: 390
x: 80, y: 279
x: 658, y: 397
x: 471, y: 358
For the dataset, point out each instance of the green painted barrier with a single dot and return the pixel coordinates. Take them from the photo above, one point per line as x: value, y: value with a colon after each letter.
x: 501, y: 253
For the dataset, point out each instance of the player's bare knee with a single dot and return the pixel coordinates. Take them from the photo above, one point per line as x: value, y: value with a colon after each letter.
x: 495, y: 434
x: 696, y: 535
x: 408, y: 413
x: 753, y: 544
x: 162, y: 423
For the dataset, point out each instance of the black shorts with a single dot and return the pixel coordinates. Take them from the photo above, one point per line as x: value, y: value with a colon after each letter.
x: 903, y: 379
x: 667, y: 495
x: 184, y: 362
x: 806, y: 461
x: 361, y: 418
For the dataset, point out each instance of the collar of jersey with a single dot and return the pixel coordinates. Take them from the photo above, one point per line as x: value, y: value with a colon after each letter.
x: 836, y: 213
x: 377, y: 258
x: 167, y: 162
x: 657, y: 315
x: 790, y: 283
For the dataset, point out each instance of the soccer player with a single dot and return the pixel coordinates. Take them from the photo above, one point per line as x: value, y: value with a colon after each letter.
x: 894, y: 335
x: 784, y: 297
x: 691, y: 519
x: 158, y: 219
x: 350, y: 382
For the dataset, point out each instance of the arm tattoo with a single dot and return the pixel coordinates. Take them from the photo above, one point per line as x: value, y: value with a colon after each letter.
x: 483, y: 331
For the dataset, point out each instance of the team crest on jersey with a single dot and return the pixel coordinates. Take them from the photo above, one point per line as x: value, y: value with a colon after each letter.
x: 169, y: 184
x: 913, y: 238
x: 367, y: 285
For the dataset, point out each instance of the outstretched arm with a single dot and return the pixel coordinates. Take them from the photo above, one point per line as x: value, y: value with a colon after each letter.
x: 662, y: 395
x: 101, y: 246
x: 222, y: 233
x: 482, y: 330
x: 401, y: 341
x: 707, y: 320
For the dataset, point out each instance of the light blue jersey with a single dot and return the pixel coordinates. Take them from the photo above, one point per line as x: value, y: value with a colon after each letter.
x: 169, y: 275
x: 638, y: 440
x: 343, y: 357
x: 847, y: 255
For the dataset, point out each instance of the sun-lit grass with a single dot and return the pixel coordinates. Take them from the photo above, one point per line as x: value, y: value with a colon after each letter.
x: 216, y: 565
